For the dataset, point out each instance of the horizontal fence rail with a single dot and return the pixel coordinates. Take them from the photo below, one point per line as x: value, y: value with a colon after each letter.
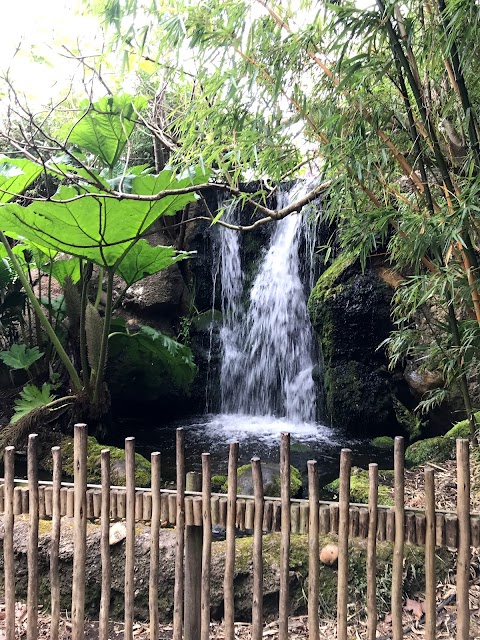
x: 446, y: 523
x: 193, y: 511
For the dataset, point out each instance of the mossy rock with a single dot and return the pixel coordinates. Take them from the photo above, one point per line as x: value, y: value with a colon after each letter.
x: 327, y: 285
x: 414, y: 569
x: 219, y: 484
x: 438, y: 449
x: 462, y: 429
x: 359, y: 486
x: 383, y: 442
x: 117, y: 463
x: 271, y: 480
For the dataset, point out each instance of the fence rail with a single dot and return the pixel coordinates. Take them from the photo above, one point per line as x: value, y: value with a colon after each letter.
x: 194, y: 512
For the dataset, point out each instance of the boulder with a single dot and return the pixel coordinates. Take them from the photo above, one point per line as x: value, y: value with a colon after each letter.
x: 162, y: 293
x: 420, y: 382
x: 271, y: 480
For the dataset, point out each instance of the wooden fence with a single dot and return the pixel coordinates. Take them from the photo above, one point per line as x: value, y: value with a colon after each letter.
x: 193, y: 514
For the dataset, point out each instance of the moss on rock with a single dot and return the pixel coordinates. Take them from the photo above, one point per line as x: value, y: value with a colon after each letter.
x: 117, y: 463
x: 438, y: 449
x: 462, y: 429
x: 219, y: 484
x: 383, y: 442
x: 359, y: 486
x: 271, y: 480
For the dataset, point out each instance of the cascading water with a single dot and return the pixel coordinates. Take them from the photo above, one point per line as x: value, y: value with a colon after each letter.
x: 267, y: 340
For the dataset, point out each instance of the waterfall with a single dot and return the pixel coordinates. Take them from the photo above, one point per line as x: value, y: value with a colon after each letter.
x: 266, y: 338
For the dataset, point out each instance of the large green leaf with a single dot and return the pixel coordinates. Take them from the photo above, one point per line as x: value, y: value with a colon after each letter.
x: 20, y: 357
x: 106, y: 125
x: 15, y: 176
x: 31, y: 397
x: 97, y: 228
x: 61, y: 269
x: 143, y: 260
x: 151, y: 345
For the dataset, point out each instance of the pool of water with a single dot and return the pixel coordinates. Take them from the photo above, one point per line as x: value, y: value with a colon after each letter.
x: 257, y: 436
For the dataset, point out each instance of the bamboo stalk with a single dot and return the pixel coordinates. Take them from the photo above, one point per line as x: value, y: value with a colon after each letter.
x: 257, y: 602
x: 156, y: 486
x: 430, y: 574
x: 463, y: 555
x: 130, y: 538
x: 228, y: 594
x: 397, y: 570
x: 313, y: 551
x: 372, y: 552
x: 206, y: 545
x: 55, y: 542
x: 8, y: 554
x: 284, y: 603
x: 105, y: 547
x: 180, y: 537
x: 343, y: 527
x: 32, y: 551
x: 79, y: 530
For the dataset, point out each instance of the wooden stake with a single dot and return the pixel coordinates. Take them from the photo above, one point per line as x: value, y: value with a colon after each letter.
x: 180, y: 537
x: 463, y: 556
x: 55, y: 542
x: 343, y: 527
x: 8, y: 554
x: 207, y: 544
x: 156, y: 485
x: 430, y: 574
x: 313, y: 551
x: 257, y: 603
x: 228, y: 594
x: 397, y: 570
x: 284, y: 595
x: 105, y: 547
x: 79, y: 530
x: 32, y: 552
x: 372, y: 552
x: 130, y: 538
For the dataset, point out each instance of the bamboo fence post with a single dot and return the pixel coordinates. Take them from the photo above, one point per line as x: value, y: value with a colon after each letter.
x: 206, y: 545
x: 156, y: 486
x: 283, y: 603
x: 8, y: 555
x: 257, y: 602
x: 372, y: 552
x: 463, y: 555
x: 105, y: 547
x: 180, y: 537
x: 32, y: 552
x: 55, y: 542
x: 193, y: 560
x: 313, y: 551
x: 79, y: 530
x: 228, y: 595
x: 130, y: 538
x: 343, y: 527
x: 430, y: 575
x: 397, y: 569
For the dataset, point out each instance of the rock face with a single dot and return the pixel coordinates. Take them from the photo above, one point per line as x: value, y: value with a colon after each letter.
x: 271, y: 480
x: 243, y: 580
x: 350, y: 313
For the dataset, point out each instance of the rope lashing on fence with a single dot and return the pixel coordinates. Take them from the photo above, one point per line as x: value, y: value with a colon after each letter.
x: 195, y: 513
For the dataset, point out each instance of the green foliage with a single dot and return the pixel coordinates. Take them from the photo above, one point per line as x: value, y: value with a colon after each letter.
x: 383, y: 442
x: 104, y: 127
x: 31, y: 397
x: 16, y: 174
x: 19, y: 356
x: 97, y: 227
x: 149, y: 347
